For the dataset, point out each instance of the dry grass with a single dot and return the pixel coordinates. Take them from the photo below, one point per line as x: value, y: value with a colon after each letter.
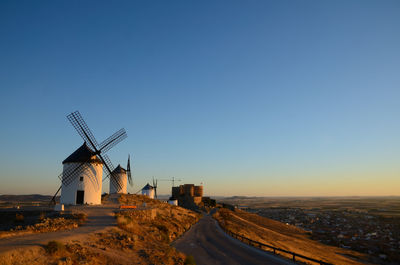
x: 54, y: 247
x: 152, y: 228
x: 138, y: 200
x: 285, y: 236
x: 142, y: 236
x: 45, y: 224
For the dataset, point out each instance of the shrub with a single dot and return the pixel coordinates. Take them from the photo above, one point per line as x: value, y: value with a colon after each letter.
x: 42, y: 216
x: 80, y: 216
x: 19, y: 218
x: 164, y: 231
x: 54, y: 247
x: 162, y: 228
x: 122, y: 220
x: 190, y: 260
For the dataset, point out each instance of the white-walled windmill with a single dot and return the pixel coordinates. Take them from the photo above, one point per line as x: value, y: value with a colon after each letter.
x: 120, y: 179
x: 85, y: 187
x: 119, y: 175
x: 82, y: 170
x: 148, y: 190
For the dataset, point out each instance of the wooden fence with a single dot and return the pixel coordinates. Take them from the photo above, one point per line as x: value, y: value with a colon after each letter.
x: 275, y: 250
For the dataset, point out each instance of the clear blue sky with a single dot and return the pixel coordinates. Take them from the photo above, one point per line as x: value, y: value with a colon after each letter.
x: 249, y: 97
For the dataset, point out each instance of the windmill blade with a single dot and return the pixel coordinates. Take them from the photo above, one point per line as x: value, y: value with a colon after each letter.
x: 53, y: 200
x: 155, y: 187
x: 130, y: 178
x: 69, y: 175
x: 110, y: 168
x: 155, y: 190
x: 107, y: 163
x: 81, y: 127
x: 128, y: 171
x: 111, y: 141
x: 116, y: 182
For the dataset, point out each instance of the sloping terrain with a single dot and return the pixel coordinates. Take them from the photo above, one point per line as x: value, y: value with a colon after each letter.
x: 208, y: 244
x: 132, y: 236
x: 284, y: 236
x: 30, y: 222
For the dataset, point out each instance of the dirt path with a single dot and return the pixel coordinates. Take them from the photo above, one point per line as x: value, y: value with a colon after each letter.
x: 208, y: 244
x: 100, y: 218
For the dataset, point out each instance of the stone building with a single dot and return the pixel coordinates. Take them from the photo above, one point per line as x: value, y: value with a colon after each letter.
x: 188, y: 195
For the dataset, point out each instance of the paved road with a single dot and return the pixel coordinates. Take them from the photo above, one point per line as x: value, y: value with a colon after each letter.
x: 208, y: 244
x: 99, y: 218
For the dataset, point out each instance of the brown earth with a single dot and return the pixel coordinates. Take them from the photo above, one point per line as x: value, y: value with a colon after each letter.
x: 139, y: 236
x: 286, y: 237
x: 46, y: 225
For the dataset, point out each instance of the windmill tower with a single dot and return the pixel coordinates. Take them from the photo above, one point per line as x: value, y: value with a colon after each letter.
x: 85, y: 187
x: 121, y: 176
x: 148, y: 190
x: 82, y: 170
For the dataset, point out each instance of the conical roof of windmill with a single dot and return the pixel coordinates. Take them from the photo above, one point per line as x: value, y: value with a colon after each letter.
x: 81, y: 155
x: 148, y: 187
x: 119, y: 169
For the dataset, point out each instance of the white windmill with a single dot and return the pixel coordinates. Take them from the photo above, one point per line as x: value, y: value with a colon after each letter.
x: 122, y: 177
x: 81, y: 179
x: 148, y: 190
x: 85, y: 187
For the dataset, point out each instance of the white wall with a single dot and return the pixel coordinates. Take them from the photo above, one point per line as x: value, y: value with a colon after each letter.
x: 123, y: 180
x: 149, y: 193
x: 91, y: 184
x: 173, y: 202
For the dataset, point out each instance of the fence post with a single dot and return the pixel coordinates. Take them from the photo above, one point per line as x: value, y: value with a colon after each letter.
x: 275, y: 250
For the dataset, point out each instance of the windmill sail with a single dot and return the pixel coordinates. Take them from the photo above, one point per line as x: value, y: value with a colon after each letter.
x: 96, y: 151
x: 128, y: 171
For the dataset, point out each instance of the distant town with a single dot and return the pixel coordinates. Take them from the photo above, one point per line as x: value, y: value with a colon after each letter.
x: 367, y: 225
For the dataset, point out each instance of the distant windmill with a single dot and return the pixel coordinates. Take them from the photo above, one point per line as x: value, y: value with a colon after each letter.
x: 81, y: 176
x: 148, y: 191
x: 121, y: 176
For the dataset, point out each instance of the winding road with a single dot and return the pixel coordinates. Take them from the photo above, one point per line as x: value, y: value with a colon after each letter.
x: 205, y: 241
x: 208, y: 244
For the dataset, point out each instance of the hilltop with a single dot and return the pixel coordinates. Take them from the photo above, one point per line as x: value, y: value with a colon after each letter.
x: 132, y: 236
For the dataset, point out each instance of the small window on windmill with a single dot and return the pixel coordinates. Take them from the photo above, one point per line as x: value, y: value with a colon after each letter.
x: 81, y: 178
